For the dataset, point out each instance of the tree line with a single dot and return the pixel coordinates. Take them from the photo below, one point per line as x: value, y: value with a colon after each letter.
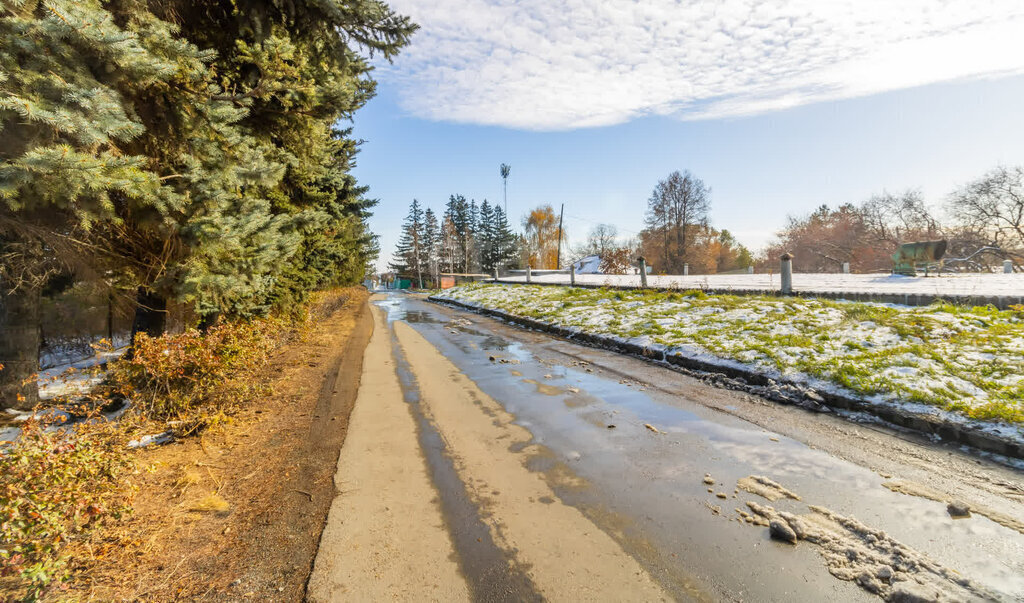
x: 473, y: 239
x: 983, y: 222
x: 180, y: 152
x: 469, y: 238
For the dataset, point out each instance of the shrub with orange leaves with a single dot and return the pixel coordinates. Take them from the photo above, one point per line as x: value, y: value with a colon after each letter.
x: 174, y: 375
x: 56, y: 485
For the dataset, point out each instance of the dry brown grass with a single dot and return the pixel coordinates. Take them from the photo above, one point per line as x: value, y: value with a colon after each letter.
x: 209, y: 510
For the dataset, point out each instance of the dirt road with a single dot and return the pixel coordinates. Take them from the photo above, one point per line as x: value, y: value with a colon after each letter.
x: 489, y: 463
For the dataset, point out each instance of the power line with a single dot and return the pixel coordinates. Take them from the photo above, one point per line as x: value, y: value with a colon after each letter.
x: 596, y: 222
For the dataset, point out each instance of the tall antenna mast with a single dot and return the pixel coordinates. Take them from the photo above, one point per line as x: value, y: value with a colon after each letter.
x: 505, y: 169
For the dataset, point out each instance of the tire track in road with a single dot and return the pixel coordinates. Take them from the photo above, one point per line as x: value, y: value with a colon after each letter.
x: 385, y: 537
x: 492, y: 574
x: 566, y: 555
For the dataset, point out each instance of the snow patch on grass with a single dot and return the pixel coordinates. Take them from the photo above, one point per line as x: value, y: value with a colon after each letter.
x: 964, y: 361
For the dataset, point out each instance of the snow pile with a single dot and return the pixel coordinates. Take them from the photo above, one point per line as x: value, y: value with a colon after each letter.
x: 76, y: 377
x: 69, y: 350
x: 876, y: 561
x: 70, y: 379
x: 968, y: 361
x: 155, y: 439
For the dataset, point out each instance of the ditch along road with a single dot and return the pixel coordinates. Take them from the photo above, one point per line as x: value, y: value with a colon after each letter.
x: 486, y: 462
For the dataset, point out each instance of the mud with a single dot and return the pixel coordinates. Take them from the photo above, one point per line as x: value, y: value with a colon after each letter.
x: 765, y: 488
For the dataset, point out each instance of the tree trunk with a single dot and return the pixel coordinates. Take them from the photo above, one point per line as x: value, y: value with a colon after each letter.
x: 208, y: 320
x: 19, y: 347
x: 681, y: 244
x: 666, y: 252
x: 150, y: 314
x: 110, y: 317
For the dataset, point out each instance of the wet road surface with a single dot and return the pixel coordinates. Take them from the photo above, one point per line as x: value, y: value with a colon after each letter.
x: 644, y: 462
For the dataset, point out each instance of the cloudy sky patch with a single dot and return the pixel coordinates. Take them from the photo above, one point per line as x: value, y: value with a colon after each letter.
x: 541, y: 65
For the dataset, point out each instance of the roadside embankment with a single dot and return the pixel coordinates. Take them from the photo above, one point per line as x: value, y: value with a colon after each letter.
x: 954, y: 372
x: 231, y: 507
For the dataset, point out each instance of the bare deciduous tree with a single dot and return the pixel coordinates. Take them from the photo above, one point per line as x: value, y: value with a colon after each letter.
x: 893, y: 219
x: 600, y: 240
x: 679, y: 201
x: 991, y: 209
x: 450, y: 247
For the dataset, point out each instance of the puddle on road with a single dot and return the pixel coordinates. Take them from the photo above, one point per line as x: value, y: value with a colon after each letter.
x: 544, y: 388
x: 419, y: 317
x: 655, y: 478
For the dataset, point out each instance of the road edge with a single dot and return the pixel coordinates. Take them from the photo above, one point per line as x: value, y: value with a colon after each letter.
x: 338, y: 395
x: 925, y: 424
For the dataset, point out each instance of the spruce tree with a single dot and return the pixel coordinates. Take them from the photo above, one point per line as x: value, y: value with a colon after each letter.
x: 459, y: 211
x: 505, y: 240
x: 486, y: 238
x: 473, y: 249
x: 66, y: 170
x: 449, y: 246
x: 198, y: 162
x: 297, y: 69
x: 431, y: 244
x: 409, y: 253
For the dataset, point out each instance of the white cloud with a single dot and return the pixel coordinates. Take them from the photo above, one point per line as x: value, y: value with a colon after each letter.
x: 544, y: 65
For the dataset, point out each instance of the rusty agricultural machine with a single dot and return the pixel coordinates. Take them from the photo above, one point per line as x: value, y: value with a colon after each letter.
x: 921, y: 255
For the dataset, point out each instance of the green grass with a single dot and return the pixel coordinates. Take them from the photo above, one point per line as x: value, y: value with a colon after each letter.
x: 962, y: 359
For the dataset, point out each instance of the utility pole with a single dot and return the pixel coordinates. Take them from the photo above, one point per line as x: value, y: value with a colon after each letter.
x: 558, y: 257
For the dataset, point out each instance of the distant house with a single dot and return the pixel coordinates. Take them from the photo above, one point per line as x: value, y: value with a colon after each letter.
x: 588, y: 265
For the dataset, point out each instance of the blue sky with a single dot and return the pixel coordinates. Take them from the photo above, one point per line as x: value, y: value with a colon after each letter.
x: 593, y: 110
